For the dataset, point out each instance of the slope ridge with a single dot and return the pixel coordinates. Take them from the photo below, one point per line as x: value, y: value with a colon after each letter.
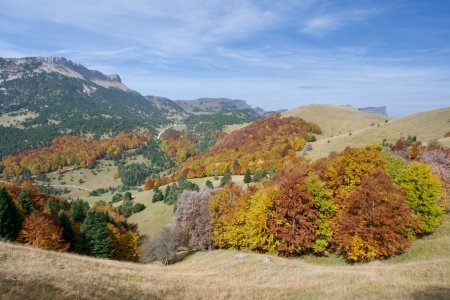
x: 426, y: 126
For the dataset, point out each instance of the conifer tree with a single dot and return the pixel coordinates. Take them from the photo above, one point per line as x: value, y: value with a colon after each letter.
x: 25, y: 202
x: 157, y: 195
x: 247, y: 176
x: 225, y: 179
x: 126, y: 208
x: 78, y: 210
x: 94, y: 238
x: 10, y: 221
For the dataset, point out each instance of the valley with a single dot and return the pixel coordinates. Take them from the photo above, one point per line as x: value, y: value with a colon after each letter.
x: 214, y: 198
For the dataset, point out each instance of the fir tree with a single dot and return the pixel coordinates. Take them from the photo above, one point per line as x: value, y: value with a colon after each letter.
x: 247, y: 176
x: 225, y: 179
x: 94, y: 238
x: 10, y: 221
x: 78, y: 209
x: 25, y: 202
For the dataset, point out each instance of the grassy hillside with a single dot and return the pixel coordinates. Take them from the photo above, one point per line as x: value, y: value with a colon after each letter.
x: 334, y: 119
x: 422, y: 273
x: 425, y: 126
x: 155, y: 215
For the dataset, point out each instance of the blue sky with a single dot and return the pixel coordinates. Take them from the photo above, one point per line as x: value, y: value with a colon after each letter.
x: 274, y: 54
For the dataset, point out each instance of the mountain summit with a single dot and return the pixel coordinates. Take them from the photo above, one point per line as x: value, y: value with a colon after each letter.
x: 13, y: 68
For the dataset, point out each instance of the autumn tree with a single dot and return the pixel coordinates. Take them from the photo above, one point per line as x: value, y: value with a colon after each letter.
x: 43, y: 231
x: 422, y: 189
x: 375, y: 220
x: 10, y: 220
x: 192, y: 218
x: 126, y: 244
x: 294, y: 221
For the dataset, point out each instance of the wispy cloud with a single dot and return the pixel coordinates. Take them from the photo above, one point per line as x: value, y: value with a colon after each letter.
x: 332, y: 21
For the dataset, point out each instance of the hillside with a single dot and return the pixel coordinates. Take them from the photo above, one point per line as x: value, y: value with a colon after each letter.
x: 422, y: 273
x: 426, y: 126
x: 334, y: 119
x: 41, y: 98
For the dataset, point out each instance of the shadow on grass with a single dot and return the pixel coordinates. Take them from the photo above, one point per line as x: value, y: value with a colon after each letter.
x: 432, y: 293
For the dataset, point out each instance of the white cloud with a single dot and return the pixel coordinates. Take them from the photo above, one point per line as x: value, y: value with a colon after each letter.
x: 328, y: 22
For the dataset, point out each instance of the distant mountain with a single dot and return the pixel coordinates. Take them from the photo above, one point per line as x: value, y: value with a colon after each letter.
x: 218, y: 105
x: 41, y: 98
x: 378, y: 110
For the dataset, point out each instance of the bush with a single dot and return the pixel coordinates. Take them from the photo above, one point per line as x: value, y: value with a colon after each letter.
x: 138, y: 207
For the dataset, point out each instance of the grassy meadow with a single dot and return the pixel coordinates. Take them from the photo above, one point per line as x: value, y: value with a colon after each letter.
x: 423, y: 272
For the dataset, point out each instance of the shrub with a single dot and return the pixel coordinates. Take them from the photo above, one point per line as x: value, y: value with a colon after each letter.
x: 137, y: 207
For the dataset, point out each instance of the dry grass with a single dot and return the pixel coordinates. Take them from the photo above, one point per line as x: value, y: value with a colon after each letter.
x: 99, y: 177
x: 333, y: 119
x: 425, y: 126
x: 28, y: 273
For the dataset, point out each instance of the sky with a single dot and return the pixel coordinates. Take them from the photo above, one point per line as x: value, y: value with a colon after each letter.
x: 274, y: 54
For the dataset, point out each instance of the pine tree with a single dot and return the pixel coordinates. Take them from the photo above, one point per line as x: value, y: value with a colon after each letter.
x: 94, y: 238
x: 10, y: 221
x: 25, y: 202
x: 247, y: 176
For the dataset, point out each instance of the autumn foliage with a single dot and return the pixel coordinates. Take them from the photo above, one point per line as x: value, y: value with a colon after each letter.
x: 43, y: 231
x: 179, y: 144
x: 70, y: 151
x: 264, y: 145
x: 375, y: 220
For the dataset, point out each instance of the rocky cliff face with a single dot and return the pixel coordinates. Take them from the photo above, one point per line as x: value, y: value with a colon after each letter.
x: 12, y: 68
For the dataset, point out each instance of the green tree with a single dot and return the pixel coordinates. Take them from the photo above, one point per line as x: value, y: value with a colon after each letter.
x: 157, y: 195
x: 78, y: 210
x: 209, y: 184
x: 94, y: 239
x: 225, y: 179
x: 247, y: 176
x: 10, y: 221
x: 25, y: 202
x: 422, y: 189
x: 126, y: 208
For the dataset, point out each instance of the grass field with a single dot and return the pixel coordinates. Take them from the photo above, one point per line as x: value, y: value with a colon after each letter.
x: 334, y: 119
x: 426, y: 126
x: 422, y: 273
x: 156, y: 215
